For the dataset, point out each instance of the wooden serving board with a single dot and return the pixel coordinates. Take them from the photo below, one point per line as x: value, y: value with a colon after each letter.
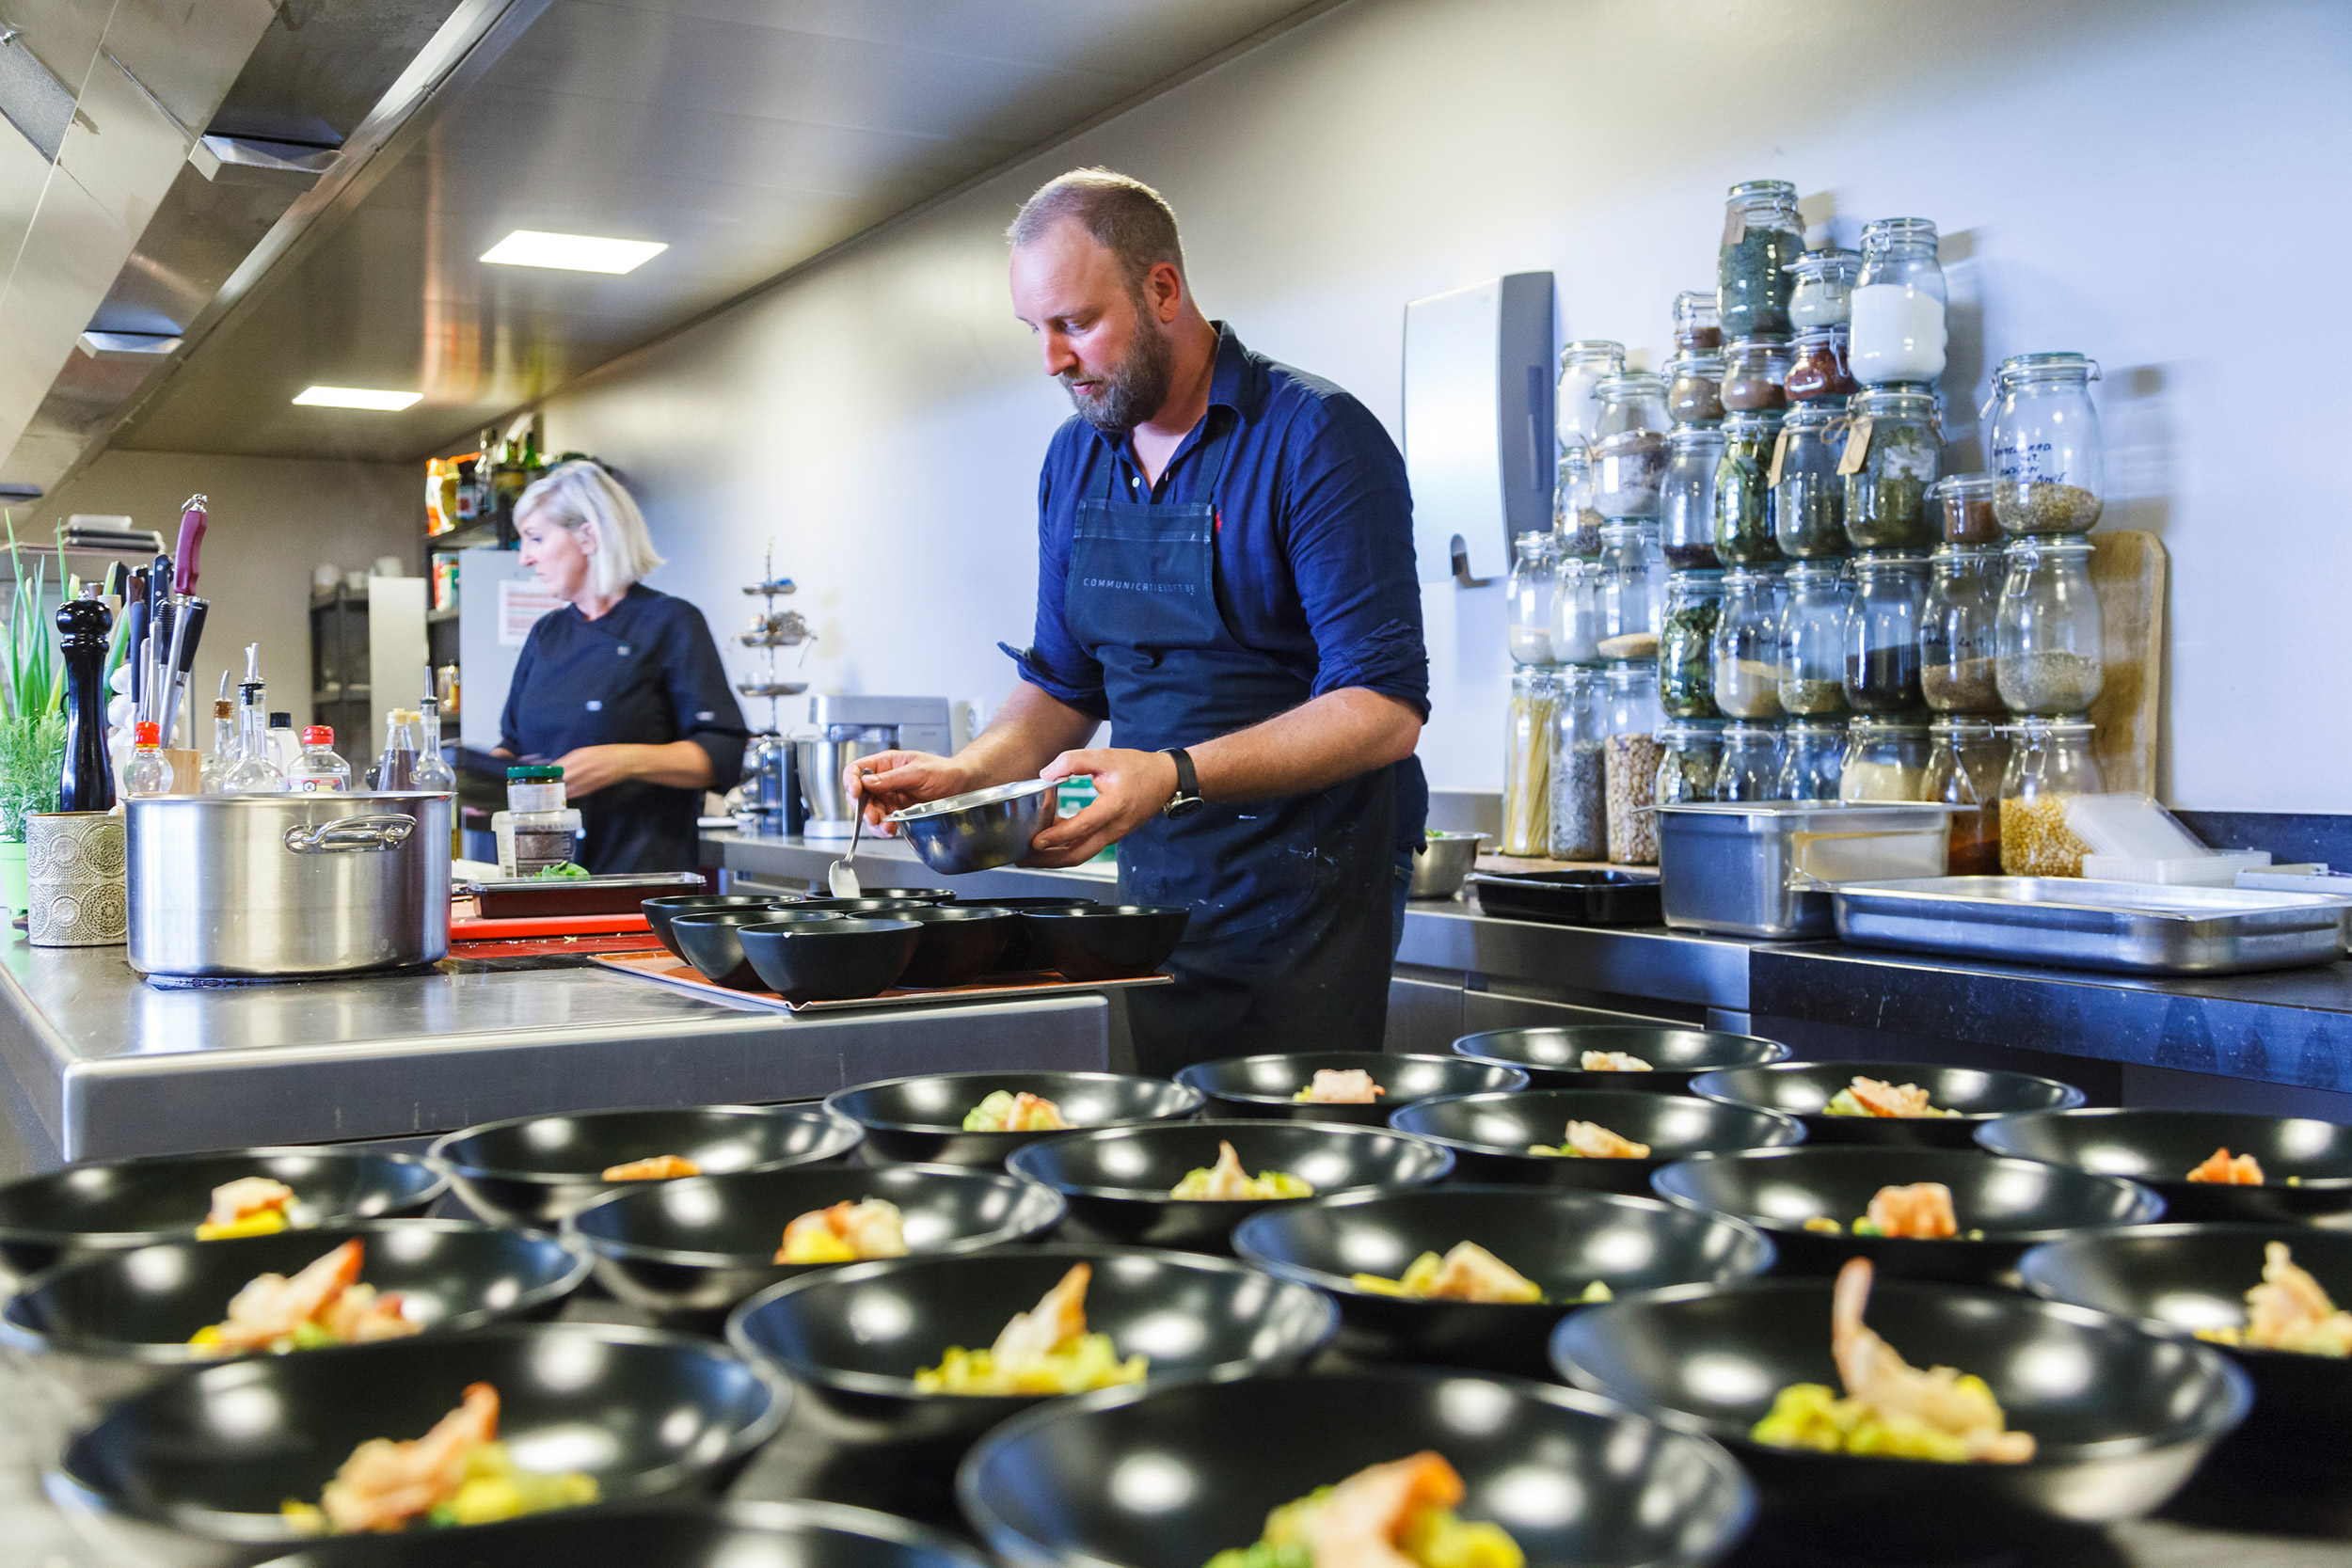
x: 663, y: 970
x: 2128, y: 571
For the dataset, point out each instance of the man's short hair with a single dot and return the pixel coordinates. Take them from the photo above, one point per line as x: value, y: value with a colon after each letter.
x: 1124, y: 217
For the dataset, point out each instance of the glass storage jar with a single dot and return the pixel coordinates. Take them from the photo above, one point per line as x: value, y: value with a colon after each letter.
x: 2049, y: 763
x: 1535, y: 597
x: 1886, y: 759
x: 2046, y: 461
x: 1526, y: 761
x: 1576, y: 629
x: 1698, y: 324
x: 1897, y: 316
x: 1629, y: 445
x: 1762, y: 235
x: 1574, y: 518
x: 1812, y: 754
x: 1964, y: 501
x: 1755, y: 374
x: 1750, y: 770
x: 1631, y: 583
x: 1817, y: 366
x: 1686, y: 639
x: 1690, y: 750
x: 1686, y: 500
x: 1808, y: 501
x: 1743, y: 519
x: 1750, y: 657
x: 1883, y: 633
x: 1823, y: 291
x: 1893, y: 444
x: 1965, y: 759
x: 1958, y: 630
x: 1633, y: 721
x: 1579, y: 789
x: 2048, y: 658
x: 1694, y: 389
x: 1813, y: 639
x: 1584, y: 366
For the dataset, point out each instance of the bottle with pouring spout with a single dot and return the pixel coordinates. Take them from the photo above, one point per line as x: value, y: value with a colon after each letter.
x: 224, y: 749
x: 434, y: 774
x: 253, y: 772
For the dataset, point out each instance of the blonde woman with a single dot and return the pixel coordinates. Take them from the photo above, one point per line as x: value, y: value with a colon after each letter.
x: 623, y: 687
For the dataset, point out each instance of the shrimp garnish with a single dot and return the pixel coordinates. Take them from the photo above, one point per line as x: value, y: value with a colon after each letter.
x: 1890, y: 1099
x: 1470, y: 1273
x: 385, y: 1483
x: 654, y: 1167
x: 272, y: 1305
x: 1613, y: 1061
x: 1058, y: 1319
x: 245, y: 1197
x: 1876, y: 1374
x: 2244, y: 1171
x: 1360, y: 1524
x: 1595, y: 1142
x: 1226, y: 1179
x: 1922, y: 1210
x: 2291, y: 1309
x: 1341, y: 1086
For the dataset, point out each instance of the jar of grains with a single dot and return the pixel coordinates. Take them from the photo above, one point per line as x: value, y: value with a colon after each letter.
x: 2049, y: 764
x: 1633, y: 721
x: 1823, y: 295
x: 1886, y: 759
x: 1694, y: 389
x: 1762, y: 235
x: 1755, y: 374
x: 1812, y: 756
x: 1576, y: 629
x: 1893, y: 444
x: 1686, y: 639
x: 1584, y: 366
x: 1526, y: 761
x: 1629, y: 445
x: 1816, y: 367
x: 1959, y: 629
x: 1898, y: 318
x: 1890, y: 591
x: 1750, y: 657
x: 1750, y: 769
x: 2048, y: 658
x: 1965, y: 759
x: 1808, y: 499
x: 1967, y: 504
x: 1698, y: 324
x: 1743, y: 521
x: 1574, y: 518
x: 1813, y: 639
x: 1690, y: 752
x: 1533, y: 596
x: 1632, y: 585
x: 1579, y: 789
x: 1686, y: 500
x: 2046, y: 445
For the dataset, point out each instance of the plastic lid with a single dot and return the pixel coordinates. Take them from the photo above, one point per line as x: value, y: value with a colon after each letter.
x: 2130, y: 826
x: 281, y: 721
x: 533, y: 773
x: 318, y: 734
x: 150, y: 733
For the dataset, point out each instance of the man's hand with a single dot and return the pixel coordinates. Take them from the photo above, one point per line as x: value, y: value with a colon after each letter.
x: 594, y: 767
x: 1130, y: 788
x: 892, y: 780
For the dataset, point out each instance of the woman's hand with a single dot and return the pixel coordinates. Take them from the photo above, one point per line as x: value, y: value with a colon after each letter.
x: 893, y: 780
x: 1130, y: 789
x: 594, y: 767
x: 680, y: 765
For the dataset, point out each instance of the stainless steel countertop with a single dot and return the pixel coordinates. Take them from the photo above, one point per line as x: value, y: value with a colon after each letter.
x: 890, y: 862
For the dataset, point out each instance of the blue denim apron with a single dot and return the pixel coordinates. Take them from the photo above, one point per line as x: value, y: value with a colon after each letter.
x: 1291, y: 936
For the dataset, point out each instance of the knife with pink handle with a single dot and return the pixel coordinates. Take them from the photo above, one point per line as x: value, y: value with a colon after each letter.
x: 187, y: 621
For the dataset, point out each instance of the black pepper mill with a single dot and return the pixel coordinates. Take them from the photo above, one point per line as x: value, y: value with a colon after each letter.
x: 86, y: 781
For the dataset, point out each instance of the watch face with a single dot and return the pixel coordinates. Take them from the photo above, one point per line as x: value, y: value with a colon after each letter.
x: 1186, y: 806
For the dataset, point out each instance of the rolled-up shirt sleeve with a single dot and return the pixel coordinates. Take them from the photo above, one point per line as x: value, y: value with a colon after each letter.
x: 1349, y: 536
x: 1055, y: 662
x: 702, y: 701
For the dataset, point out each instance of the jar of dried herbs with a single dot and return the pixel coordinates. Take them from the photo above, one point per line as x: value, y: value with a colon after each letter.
x: 1526, y: 761
x: 1958, y: 630
x: 1755, y: 374
x: 1629, y: 445
x: 1813, y: 639
x: 1686, y: 681
x: 1686, y: 500
x: 1743, y: 519
x: 1808, y: 497
x: 1812, y: 756
x: 1694, y: 389
x: 1890, y: 591
x: 1631, y: 762
x: 1690, y: 752
x: 1584, y: 366
x: 1698, y: 324
x: 1576, y: 631
x: 1750, y: 769
x: 1750, y: 657
x: 1965, y: 501
x: 2048, y: 656
x: 1893, y: 444
x: 1965, y: 760
x: 1886, y: 759
x: 2049, y: 764
x: 1762, y: 235
x: 1574, y: 518
x: 1817, y: 366
x: 2046, y: 445
x: 1579, y: 789
x: 1824, y: 293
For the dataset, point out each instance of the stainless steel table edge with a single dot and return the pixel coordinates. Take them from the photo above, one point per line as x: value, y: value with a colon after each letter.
x: 1645, y: 962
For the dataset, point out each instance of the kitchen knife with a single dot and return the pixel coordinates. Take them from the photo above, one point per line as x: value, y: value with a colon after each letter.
x: 186, y: 632
x: 135, y: 620
x: 191, y: 540
x: 158, y: 634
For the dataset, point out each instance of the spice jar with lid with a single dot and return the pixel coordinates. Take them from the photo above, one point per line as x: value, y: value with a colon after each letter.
x: 1893, y: 444
x: 1526, y: 761
x: 1574, y: 518
x: 1886, y: 759
x: 1533, y: 594
x: 1698, y: 324
x: 1629, y: 445
x: 1579, y: 789
x: 1808, y: 500
x: 1633, y: 720
x: 2049, y: 764
x: 1898, y: 317
x: 1694, y: 389
x: 1584, y: 366
x: 1762, y: 235
x: 1685, y: 498
x: 1817, y: 366
x: 1576, y: 629
x: 1813, y: 639
x: 1632, y: 581
x: 1823, y: 295
x: 1965, y: 759
x: 1750, y: 769
x: 1812, y: 756
x: 1750, y: 658
x: 1686, y: 639
x: 1883, y: 633
x: 2046, y: 445
x: 2049, y: 639
x: 1958, y: 630
x: 1743, y: 521
x: 1755, y: 374
x: 1690, y: 752
x: 1965, y: 504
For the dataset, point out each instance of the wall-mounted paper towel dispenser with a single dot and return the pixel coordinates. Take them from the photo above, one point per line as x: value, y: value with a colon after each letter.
x: 1478, y: 437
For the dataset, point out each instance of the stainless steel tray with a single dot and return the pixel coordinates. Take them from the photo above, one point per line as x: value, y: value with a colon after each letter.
x: 2121, y: 927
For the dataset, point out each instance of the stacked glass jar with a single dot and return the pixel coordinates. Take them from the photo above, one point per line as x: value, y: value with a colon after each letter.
x: 1628, y: 470
x: 1686, y: 523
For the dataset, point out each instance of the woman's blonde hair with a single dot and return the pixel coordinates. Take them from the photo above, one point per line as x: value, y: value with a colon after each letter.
x: 581, y: 497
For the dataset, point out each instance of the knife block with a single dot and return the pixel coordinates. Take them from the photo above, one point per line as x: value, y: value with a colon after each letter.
x: 187, y: 771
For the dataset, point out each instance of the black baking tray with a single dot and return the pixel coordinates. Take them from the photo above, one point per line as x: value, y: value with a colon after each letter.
x: 530, y: 896
x: 1571, y: 897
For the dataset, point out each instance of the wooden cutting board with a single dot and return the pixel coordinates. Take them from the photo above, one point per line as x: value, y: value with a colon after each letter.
x: 2128, y: 572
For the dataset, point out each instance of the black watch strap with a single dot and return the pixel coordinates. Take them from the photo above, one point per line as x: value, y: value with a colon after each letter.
x: 1188, y: 797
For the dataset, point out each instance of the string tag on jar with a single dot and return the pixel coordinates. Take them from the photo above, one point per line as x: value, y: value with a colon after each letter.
x: 1735, y: 225
x: 1857, y: 447
x: 1780, y: 449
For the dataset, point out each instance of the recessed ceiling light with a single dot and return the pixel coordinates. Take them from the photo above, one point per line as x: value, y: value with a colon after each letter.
x: 356, y: 397
x: 528, y: 247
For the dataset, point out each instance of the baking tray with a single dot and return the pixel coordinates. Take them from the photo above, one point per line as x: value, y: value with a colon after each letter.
x: 523, y: 897
x: 2120, y: 928
x: 1584, y: 898
x: 663, y: 970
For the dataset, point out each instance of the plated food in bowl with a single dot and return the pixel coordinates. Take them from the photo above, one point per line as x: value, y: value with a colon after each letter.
x: 1662, y: 1058
x: 1923, y: 1103
x: 1226, y: 1183
x: 1401, y: 1510
x: 2208, y: 1166
x: 1606, y: 1141
x: 1361, y: 1086
x: 967, y: 1119
x: 846, y: 1232
x: 458, y: 1473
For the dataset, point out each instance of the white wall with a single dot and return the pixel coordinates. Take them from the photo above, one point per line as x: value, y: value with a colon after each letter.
x: 2153, y: 183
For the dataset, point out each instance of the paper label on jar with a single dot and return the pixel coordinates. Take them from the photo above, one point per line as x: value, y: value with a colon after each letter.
x: 1857, y: 447
x: 1735, y: 226
x: 1780, y: 449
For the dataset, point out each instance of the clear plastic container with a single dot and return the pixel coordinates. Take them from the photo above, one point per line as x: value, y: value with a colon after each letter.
x: 1958, y: 630
x: 1762, y: 236
x: 1579, y: 766
x: 1575, y: 627
x: 1755, y: 374
x: 1685, y: 498
x: 1633, y: 719
x: 1750, y: 769
x: 1893, y: 446
x: 1886, y: 759
x: 1534, y: 596
x: 1694, y: 389
x: 1812, y: 757
x: 2049, y: 639
x: 2133, y: 839
x: 1526, y: 761
x: 1823, y: 290
x: 1808, y: 500
x: 1629, y: 445
x: 1690, y: 754
x: 1583, y: 365
x: 1750, y: 658
x: 1686, y: 639
x: 1965, y: 760
x: 1883, y: 633
x: 1574, y: 518
x: 1813, y: 639
x: 2047, y: 448
x: 2049, y: 764
x: 530, y: 841
x: 1899, y: 305
x: 1743, y: 517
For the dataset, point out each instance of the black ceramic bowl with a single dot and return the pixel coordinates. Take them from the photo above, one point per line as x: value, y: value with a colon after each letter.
x: 212, y: 1452
x: 128, y: 1203
x: 1118, y: 1181
x: 855, y: 1336
x: 1802, y: 1089
x: 1491, y: 1133
x: 822, y: 893
x: 835, y: 959
x: 735, y: 1536
x: 1563, y: 1240
x: 1105, y: 942
x: 870, y: 905
x: 1675, y: 1054
x: 533, y: 1170
x: 661, y: 912
x: 2015, y: 1203
x: 2119, y: 1417
x: 957, y: 944
x: 1263, y: 1085
x: 922, y: 1119
x: 2306, y: 1164
x: 1170, y: 1475
x: 711, y: 941
x: 689, y: 1251
x: 1020, y: 950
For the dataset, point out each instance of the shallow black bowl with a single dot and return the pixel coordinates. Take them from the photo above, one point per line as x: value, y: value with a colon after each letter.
x: 533, y: 1170
x: 1263, y: 1085
x: 1168, y: 1477
x: 735, y: 1536
x: 1802, y: 1089
x: 1563, y: 1240
x: 957, y: 944
x: 1021, y: 952
x: 2119, y: 1417
x: 2015, y: 1203
x: 855, y: 1336
x: 820, y: 893
x: 832, y: 959
x: 2158, y: 1149
x: 689, y: 1251
x: 1675, y: 1054
x: 212, y: 1452
x: 711, y: 941
x: 128, y: 1203
x: 871, y: 904
x: 922, y: 1119
x: 1491, y: 1133
x: 1118, y: 1181
x: 1105, y: 942
x: 661, y: 912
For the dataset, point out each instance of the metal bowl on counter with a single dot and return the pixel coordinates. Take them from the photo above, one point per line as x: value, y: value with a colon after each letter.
x: 1674, y: 1054
x: 1967, y: 1099
x: 1441, y: 863
x: 2305, y: 1164
x: 921, y: 1118
x: 981, y: 830
x: 732, y: 1535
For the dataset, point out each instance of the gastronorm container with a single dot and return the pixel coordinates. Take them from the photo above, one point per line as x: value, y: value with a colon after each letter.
x: 524, y: 898
x: 1757, y: 869
x: 1583, y: 897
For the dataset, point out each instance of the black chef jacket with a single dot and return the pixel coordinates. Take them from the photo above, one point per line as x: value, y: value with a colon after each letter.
x: 646, y: 674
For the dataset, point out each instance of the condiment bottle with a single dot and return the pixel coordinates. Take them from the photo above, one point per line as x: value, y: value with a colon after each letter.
x: 434, y: 774
x: 318, y: 770
x: 253, y: 772
x: 149, y: 771
x: 396, y: 769
x: 224, y: 746
x: 284, y: 749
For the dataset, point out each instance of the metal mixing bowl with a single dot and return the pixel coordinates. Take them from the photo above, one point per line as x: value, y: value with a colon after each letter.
x: 1441, y: 864
x: 983, y: 829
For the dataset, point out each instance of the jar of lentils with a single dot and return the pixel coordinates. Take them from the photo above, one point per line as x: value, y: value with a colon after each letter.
x: 1818, y: 365
x: 1755, y: 374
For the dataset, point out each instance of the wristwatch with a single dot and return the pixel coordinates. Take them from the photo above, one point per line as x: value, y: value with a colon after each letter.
x: 1188, y: 797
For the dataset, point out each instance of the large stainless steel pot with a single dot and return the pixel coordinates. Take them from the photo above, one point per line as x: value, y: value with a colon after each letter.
x: 280, y: 885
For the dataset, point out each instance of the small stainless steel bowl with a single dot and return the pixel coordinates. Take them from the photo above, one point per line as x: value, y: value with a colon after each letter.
x: 1440, y: 864
x: 973, y: 833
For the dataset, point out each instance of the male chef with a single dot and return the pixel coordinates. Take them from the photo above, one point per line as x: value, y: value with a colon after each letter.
x: 1225, y: 574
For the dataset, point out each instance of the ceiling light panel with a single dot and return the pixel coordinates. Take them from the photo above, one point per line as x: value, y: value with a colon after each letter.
x: 530, y: 247
x: 356, y: 397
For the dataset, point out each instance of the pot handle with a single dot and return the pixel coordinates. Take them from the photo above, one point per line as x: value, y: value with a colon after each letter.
x: 350, y: 836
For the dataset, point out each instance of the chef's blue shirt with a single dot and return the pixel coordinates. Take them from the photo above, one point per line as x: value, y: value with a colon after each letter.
x: 646, y: 672
x: 1314, y: 542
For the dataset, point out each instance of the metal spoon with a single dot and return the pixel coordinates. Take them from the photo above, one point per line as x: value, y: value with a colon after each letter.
x: 840, y: 877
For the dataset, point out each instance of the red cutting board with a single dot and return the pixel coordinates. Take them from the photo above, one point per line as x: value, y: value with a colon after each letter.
x: 546, y: 925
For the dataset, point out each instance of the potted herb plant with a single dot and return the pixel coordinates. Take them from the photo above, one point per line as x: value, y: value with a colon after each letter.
x: 32, y: 720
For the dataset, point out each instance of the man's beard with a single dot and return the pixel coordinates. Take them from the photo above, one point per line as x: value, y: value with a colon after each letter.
x: 1134, y: 388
